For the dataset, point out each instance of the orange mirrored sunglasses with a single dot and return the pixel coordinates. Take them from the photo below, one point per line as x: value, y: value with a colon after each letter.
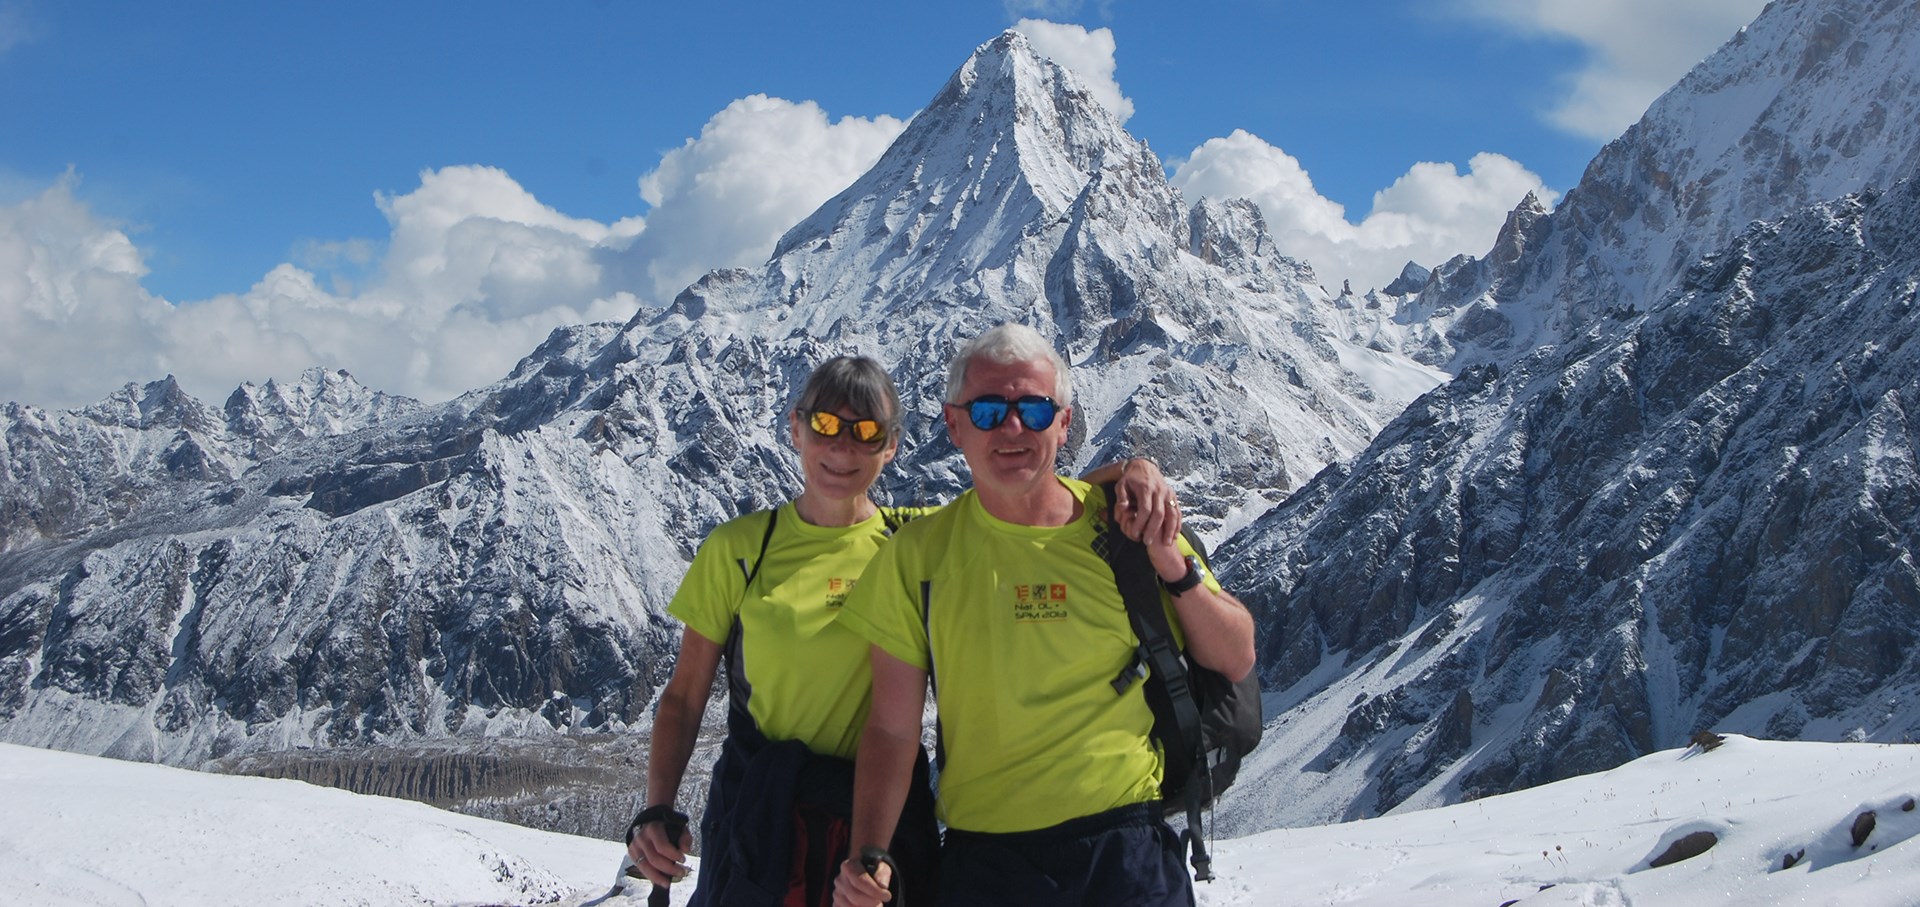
x: 829, y: 425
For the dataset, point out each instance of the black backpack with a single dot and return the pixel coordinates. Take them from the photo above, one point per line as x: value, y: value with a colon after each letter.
x: 1205, y: 723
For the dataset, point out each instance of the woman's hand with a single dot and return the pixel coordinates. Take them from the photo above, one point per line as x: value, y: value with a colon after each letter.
x: 663, y: 860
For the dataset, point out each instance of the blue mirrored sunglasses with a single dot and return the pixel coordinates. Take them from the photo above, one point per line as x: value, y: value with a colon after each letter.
x: 987, y: 412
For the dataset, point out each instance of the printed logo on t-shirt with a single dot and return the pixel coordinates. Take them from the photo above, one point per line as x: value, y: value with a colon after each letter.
x: 1039, y: 603
x: 837, y: 589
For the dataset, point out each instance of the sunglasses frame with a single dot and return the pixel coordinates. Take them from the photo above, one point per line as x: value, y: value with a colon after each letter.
x: 1014, y: 408
x: 845, y: 426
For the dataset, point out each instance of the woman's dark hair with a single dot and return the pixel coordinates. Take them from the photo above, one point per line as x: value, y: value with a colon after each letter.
x: 857, y: 383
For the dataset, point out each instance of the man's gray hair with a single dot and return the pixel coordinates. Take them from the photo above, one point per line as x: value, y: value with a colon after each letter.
x: 1006, y: 344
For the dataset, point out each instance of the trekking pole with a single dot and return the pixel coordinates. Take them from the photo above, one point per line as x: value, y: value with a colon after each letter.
x: 870, y: 859
x: 674, y: 825
x: 671, y: 822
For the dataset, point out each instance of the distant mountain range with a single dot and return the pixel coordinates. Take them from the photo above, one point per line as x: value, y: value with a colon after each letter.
x: 1671, y: 485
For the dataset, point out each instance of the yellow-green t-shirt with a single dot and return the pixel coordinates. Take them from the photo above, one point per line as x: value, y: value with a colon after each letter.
x: 810, y: 679
x: 1028, y: 632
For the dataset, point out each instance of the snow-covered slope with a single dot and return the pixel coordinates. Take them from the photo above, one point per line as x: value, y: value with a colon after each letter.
x: 88, y: 831
x: 1696, y: 509
x: 82, y: 830
x: 1790, y: 823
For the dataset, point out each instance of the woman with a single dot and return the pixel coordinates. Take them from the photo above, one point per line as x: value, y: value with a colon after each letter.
x: 764, y: 589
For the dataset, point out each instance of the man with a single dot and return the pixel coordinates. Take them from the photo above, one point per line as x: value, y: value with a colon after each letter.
x: 1050, y: 779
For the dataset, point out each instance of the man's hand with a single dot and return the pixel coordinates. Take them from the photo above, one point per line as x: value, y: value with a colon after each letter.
x: 856, y: 888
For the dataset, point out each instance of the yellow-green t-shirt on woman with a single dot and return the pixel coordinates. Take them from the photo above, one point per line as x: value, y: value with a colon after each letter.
x: 809, y: 679
x: 1028, y: 631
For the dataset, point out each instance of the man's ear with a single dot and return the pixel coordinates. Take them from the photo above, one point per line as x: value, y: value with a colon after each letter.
x: 1066, y: 424
x: 948, y: 416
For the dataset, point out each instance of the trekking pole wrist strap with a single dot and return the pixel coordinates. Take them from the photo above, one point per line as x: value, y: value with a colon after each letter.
x: 870, y: 859
x: 659, y: 812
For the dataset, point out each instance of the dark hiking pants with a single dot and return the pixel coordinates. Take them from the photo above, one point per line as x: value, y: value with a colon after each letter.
x: 1128, y: 857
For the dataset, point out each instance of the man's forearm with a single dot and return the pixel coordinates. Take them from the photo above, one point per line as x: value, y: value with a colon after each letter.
x: 1219, y: 630
x: 883, y: 771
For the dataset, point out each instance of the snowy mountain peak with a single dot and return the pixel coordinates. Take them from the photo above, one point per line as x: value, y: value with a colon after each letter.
x: 156, y: 404
x: 1811, y: 101
x: 1011, y: 140
x: 320, y: 403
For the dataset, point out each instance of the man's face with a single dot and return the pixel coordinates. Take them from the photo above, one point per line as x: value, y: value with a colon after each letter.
x: 1010, y: 457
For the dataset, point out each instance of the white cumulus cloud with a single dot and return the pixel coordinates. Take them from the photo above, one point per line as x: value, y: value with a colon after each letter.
x: 476, y: 272
x: 71, y: 304
x: 1428, y: 215
x: 1087, y: 54
x: 1636, y: 49
x: 758, y: 167
x: 473, y: 273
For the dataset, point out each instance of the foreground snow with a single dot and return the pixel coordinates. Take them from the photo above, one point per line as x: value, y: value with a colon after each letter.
x: 1592, y: 837
x: 83, y: 830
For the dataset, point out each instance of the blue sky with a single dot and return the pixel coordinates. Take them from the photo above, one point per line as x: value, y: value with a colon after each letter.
x: 294, y: 178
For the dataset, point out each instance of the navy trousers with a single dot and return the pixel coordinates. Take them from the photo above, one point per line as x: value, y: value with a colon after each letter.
x: 1128, y: 857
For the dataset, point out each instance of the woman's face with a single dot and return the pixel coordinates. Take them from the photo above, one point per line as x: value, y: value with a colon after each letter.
x: 841, y: 467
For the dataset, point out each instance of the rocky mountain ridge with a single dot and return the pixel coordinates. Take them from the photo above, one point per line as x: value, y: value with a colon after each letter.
x: 1693, y: 507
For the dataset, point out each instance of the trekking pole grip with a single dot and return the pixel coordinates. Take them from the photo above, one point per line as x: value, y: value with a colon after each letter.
x: 870, y: 859
x: 673, y: 824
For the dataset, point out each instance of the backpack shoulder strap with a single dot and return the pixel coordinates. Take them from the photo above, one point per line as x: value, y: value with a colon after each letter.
x: 773, y: 519
x: 740, y: 721
x: 1169, y: 692
x: 1140, y: 589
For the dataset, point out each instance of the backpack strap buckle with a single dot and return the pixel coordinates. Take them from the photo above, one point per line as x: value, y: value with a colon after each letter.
x: 1136, y: 670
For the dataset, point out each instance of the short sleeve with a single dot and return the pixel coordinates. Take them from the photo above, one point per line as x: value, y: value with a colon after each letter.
x: 709, y: 595
x: 884, y: 607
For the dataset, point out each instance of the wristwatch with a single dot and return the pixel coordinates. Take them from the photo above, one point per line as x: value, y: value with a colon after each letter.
x: 1186, y: 583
